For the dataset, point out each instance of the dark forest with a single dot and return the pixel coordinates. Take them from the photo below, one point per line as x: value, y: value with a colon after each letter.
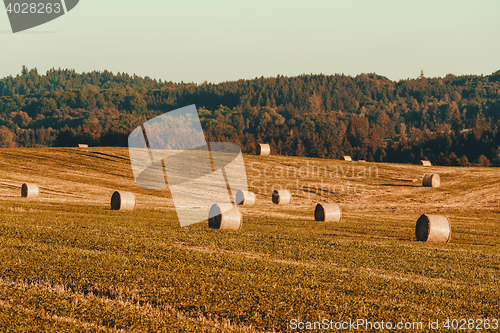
x: 453, y: 120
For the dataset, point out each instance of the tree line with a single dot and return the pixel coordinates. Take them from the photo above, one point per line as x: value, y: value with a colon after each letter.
x: 453, y: 120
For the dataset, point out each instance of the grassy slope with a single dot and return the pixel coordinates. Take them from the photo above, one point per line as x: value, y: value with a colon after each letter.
x: 69, y: 263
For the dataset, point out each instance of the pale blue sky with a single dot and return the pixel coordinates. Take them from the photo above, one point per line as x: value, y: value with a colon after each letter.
x: 222, y: 40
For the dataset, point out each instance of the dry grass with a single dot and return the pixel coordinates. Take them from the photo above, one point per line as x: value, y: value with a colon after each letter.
x: 72, y: 264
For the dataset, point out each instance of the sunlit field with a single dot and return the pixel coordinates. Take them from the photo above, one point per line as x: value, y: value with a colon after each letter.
x: 70, y: 263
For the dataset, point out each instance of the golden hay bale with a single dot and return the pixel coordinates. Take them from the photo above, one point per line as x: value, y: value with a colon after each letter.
x: 431, y: 180
x: 425, y: 163
x: 282, y: 197
x: 245, y: 198
x: 328, y: 212
x: 347, y: 158
x: 229, y: 219
x: 264, y: 149
x: 29, y: 190
x: 83, y: 145
x: 433, y: 229
x: 121, y: 200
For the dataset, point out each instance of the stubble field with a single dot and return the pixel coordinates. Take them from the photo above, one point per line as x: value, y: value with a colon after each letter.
x: 71, y: 264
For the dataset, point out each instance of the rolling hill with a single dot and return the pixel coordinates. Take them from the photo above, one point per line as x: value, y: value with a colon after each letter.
x: 69, y: 263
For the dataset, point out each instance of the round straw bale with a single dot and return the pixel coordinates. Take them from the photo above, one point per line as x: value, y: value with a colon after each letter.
x: 121, y: 200
x: 433, y: 229
x: 264, y: 149
x: 328, y: 212
x: 347, y: 158
x: 431, y: 180
x: 425, y: 163
x: 29, y: 190
x: 282, y: 197
x: 229, y: 219
x: 245, y: 198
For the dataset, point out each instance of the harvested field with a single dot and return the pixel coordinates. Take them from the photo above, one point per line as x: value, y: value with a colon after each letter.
x: 70, y: 263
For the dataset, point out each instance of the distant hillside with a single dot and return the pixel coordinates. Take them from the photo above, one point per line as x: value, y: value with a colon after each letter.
x: 451, y: 121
